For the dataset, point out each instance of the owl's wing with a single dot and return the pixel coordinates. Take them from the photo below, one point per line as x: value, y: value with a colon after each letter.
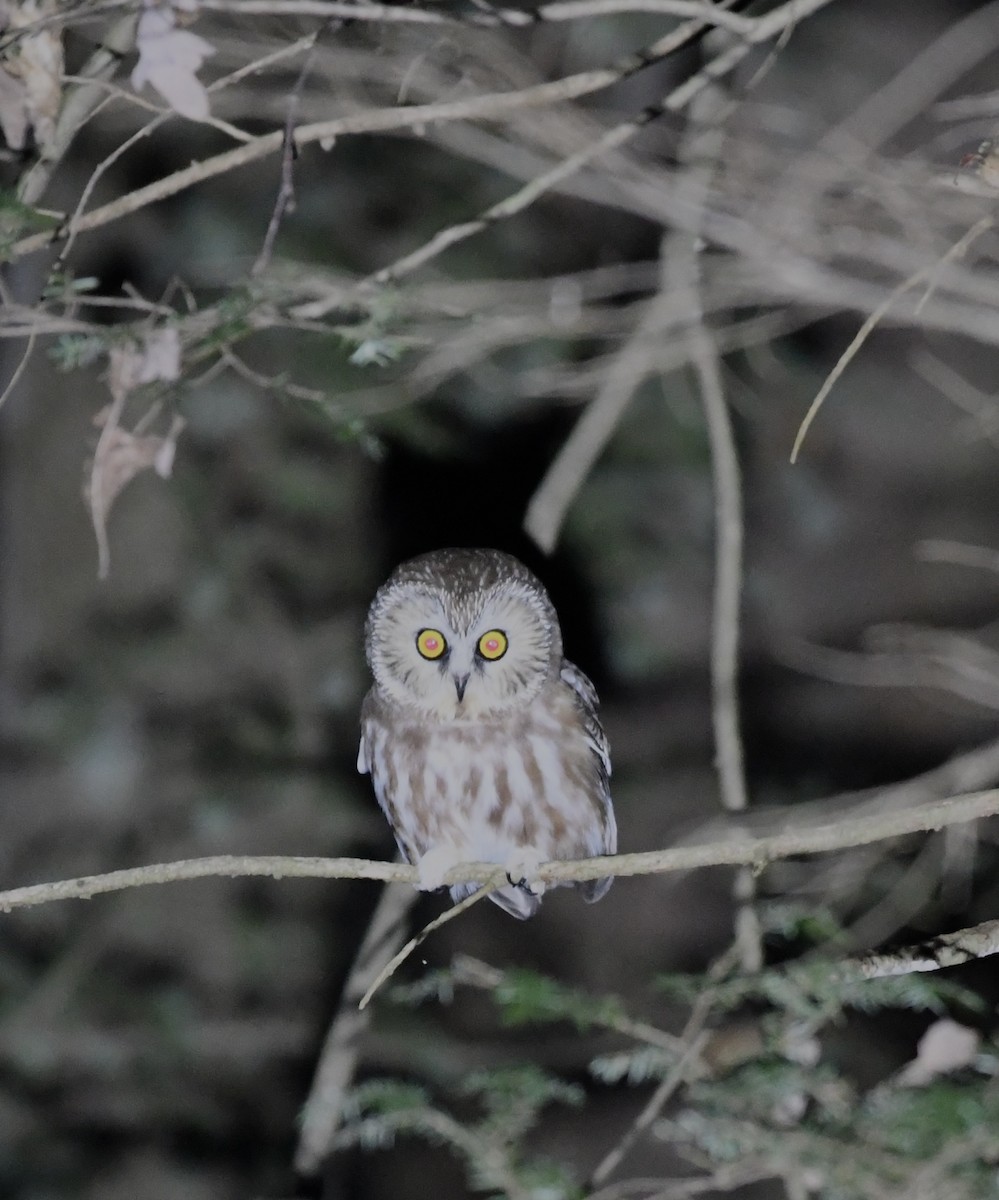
x: 586, y: 695
x: 363, y: 761
x: 586, y: 704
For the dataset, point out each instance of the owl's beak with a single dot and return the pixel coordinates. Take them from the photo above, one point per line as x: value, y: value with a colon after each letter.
x: 460, y: 683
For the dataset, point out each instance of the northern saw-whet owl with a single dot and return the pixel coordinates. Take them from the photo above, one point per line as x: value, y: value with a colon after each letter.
x: 482, y: 741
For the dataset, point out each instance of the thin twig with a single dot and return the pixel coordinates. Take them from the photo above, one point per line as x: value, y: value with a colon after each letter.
x: 562, y: 10
x: 614, y: 138
x: 397, y: 960
x: 694, y: 1037
x: 638, y: 358
x: 22, y: 365
x: 930, y: 272
x: 489, y: 106
x: 285, y: 200
x: 467, y: 971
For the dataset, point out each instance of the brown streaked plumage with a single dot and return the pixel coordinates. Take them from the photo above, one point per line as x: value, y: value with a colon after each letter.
x: 482, y: 741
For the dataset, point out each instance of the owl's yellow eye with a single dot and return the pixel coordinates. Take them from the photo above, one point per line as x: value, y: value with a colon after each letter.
x: 431, y: 643
x: 492, y: 645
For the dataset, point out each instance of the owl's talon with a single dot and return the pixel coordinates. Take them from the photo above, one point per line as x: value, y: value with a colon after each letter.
x: 533, y: 888
x: 432, y: 867
x: 521, y: 869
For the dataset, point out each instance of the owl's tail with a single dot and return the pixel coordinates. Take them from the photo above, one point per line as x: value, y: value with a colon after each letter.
x: 593, y: 889
x: 516, y: 899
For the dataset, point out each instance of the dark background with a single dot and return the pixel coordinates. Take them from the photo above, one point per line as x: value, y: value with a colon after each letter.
x: 204, y: 698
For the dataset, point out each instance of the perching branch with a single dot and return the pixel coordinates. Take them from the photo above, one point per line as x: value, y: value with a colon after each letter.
x: 847, y: 830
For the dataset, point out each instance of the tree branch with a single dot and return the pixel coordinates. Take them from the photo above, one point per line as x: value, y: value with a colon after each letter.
x: 491, y: 15
x: 947, y: 950
x: 701, y: 153
x: 846, y: 831
x: 322, y: 1111
x: 491, y: 106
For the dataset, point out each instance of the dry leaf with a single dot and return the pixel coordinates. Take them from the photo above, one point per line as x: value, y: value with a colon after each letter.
x: 982, y: 165
x: 945, y: 1046
x: 161, y: 355
x: 36, y: 65
x: 123, y: 372
x: 13, y: 111
x: 122, y: 454
x: 169, y: 58
x: 119, y: 457
x: 157, y: 358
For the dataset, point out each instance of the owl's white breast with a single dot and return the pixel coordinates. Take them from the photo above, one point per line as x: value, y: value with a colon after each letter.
x: 490, y: 787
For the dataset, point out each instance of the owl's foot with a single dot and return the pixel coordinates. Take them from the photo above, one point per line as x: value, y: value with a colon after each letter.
x: 432, y: 867
x: 522, y: 867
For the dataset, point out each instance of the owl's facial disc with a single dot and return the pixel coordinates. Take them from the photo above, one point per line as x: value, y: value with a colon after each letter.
x: 466, y: 657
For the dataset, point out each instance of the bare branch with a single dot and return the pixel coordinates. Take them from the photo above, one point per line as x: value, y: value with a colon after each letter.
x: 563, y: 10
x: 846, y: 831
x: 397, y: 960
x: 338, y: 1059
x: 491, y: 106
x: 637, y: 359
x: 928, y: 272
x: 696, y: 1039
x: 285, y: 200
x: 959, y: 553
x: 79, y: 105
x: 947, y: 950
x: 472, y: 972
x: 614, y: 138
x: 485, y: 107
x: 701, y: 152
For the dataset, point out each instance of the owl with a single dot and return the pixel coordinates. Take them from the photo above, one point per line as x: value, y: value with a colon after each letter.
x: 482, y: 741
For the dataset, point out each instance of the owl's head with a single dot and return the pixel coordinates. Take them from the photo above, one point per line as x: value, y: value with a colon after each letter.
x: 462, y: 634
